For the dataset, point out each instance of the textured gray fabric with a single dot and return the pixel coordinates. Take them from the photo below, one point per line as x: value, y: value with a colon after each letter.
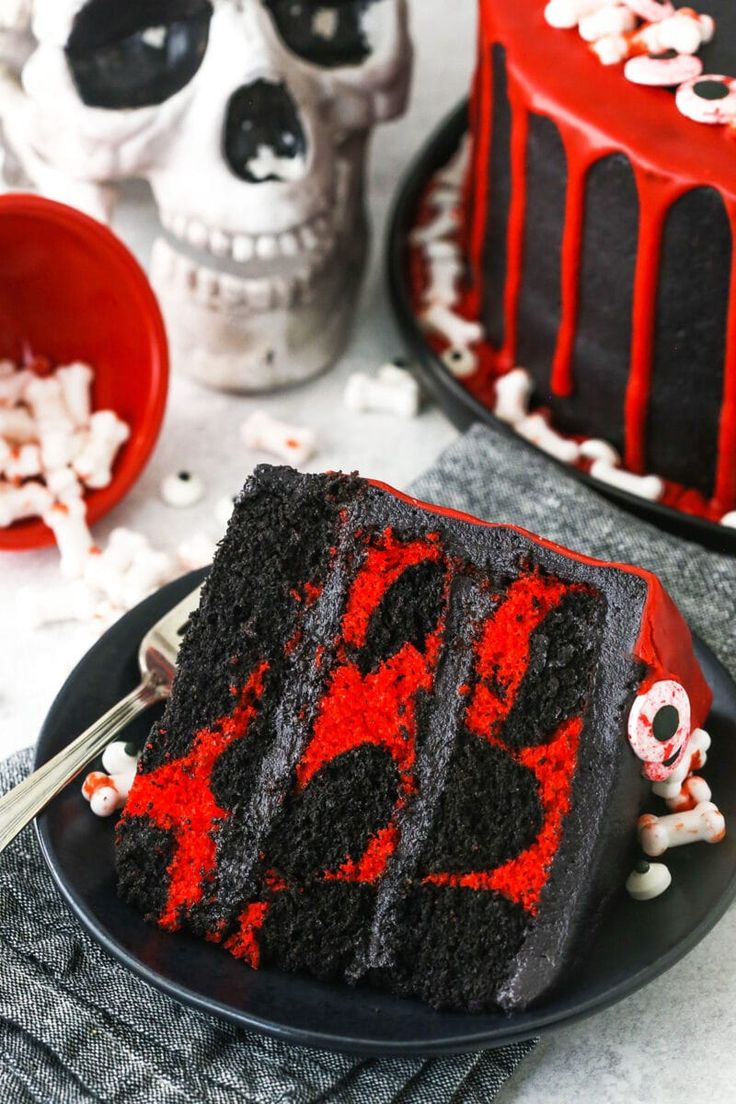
x: 76, y: 1027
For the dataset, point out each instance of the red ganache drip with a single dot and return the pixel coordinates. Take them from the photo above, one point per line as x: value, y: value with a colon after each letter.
x: 178, y: 798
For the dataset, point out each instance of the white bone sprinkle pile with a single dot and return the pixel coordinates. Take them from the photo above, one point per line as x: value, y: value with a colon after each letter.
x: 53, y: 448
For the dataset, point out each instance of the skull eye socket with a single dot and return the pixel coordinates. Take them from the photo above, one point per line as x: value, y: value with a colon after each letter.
x: 124, y: 56
x: 659, y: 727
x: 331, y: 33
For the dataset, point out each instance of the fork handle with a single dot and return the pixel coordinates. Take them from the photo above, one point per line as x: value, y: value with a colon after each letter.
x: 32, y: 795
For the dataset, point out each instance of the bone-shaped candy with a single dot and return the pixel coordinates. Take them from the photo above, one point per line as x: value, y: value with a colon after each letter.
x: 196, y: 551
x: 72, y: 536
x: 76, y: 382
x: 650, y: 487
x: 46, y: 400
x: 106, y: 570
x: 64, y: 484
x: 443, y: 198
x: 24, y: 462
x: 16, y: 503
x: 651, y: 10
x: 613, y: 19
x: 13, y: 385
x: 295, y: 444
x: 444, y: 277
x: 564, y: 14
x: 534, y: 428
x: 694, y: 790
x: 611, y: 49
x: 224, y: 510
x: 60, y: 445
x: 107, y: 432
x: 392, y: 391
x: 593, y: 448
x: 69, y: 601
x: 513, y: 392
x: 17, y: 425
x: 458, y: 331
x: 683, y: 31
x: 657, y: 834
x: 694, y: 758
x: 149, y: 570
x: 443, y: 225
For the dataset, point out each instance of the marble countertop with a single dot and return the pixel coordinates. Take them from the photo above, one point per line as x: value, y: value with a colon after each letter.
x: 672, y: 1042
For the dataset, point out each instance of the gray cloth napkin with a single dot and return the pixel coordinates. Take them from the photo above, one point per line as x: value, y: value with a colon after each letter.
x: 75, y: 1026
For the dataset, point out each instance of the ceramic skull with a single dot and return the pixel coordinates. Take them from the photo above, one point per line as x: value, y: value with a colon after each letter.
x: 250, y: 119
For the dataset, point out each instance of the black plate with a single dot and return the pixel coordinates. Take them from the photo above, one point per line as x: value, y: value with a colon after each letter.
x: 635, y: 944
x: 460, y: 406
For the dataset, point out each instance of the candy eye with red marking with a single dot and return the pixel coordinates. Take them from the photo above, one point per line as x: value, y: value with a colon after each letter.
x: 659, y: 728
x: 664, y: 69
x: 651, y: 10
x: 708, y: 99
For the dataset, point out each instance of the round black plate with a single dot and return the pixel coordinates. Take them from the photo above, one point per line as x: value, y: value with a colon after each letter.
x: 460, y: 406
x: 635, y: 943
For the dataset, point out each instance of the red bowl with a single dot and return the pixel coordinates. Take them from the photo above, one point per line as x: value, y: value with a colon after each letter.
x: 70, y: 290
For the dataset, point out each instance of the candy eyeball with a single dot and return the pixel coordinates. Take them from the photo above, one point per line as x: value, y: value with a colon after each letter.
x: 461, y: 362
x: 659, y: 728
x: 182, y: 489
x: 708, y: 99
x: 120, y: 758
x: 663, y: 70
x: 651, y: 10
x: 105, y: 801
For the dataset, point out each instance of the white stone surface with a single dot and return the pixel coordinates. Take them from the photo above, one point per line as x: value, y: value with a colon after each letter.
x: 674, y: 1041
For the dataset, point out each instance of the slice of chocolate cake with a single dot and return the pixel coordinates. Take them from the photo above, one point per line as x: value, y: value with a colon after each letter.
x: 397, y: 746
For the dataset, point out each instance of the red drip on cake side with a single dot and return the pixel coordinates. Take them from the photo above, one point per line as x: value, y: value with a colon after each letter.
x: 597, y: 114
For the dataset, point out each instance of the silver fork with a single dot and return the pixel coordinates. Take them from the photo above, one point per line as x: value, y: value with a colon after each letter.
x: 157, y: 658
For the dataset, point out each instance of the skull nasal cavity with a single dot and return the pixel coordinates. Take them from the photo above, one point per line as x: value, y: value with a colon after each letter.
x: 264, y: 139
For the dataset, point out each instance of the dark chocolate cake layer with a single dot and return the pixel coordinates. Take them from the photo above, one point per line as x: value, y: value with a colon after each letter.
x: 396, y: 750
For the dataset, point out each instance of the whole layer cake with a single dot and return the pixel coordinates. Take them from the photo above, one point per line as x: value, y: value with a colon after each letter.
x: 400, y: 746
x: 598, y: 225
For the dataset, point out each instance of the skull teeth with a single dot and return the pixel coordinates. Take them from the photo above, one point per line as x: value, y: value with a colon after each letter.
x: 209, y: 287
x: 315, y: 239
